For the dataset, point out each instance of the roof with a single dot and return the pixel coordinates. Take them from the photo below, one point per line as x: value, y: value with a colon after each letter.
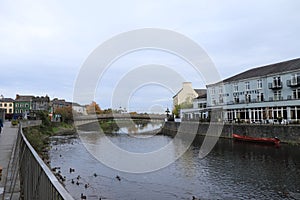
x: 203, y: 96
x: 6, y: 100
x: 24, y: 98
x: 200, y: 92
x: 280, y: 67
x: 46, y: 98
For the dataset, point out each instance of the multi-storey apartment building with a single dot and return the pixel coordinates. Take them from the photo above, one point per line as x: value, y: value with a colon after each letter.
x: 259, y: 94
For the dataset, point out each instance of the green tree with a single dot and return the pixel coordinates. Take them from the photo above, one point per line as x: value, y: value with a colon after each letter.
x: 44, y: 116
x: 177, y: 108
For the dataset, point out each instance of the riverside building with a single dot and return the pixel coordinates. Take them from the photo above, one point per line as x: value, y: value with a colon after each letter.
x: 264, y: 94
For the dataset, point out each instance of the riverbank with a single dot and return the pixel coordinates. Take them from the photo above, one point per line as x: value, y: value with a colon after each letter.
x: 286, y: 133
x: 38, y: 136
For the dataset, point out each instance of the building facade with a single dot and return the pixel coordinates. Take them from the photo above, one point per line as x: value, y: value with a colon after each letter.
x: 7, y: 104
x: 40, y: 103
x: 262, y: 94
x: 23, y: 104
x: 199, y: 110
x: 79, y: 109
x: 187, y: 94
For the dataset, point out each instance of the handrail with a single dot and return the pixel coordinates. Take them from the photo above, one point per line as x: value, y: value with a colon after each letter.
x: 37, y: 180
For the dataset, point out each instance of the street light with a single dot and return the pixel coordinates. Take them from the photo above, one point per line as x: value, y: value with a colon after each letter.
x: 167, y: 111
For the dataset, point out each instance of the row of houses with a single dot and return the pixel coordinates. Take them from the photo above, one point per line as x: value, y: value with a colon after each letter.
x: 23, y: 105
x: 265, y: 93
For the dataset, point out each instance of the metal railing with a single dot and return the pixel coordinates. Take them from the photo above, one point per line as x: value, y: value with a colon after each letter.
x: 36, y: 179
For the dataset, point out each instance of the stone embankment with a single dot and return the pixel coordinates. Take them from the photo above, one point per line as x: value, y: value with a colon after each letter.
x: 286, y: 133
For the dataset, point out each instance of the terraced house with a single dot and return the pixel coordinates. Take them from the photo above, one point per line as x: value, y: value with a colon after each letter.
x: 23, y: 104
x: 262, y: 94
x: 7, y: 104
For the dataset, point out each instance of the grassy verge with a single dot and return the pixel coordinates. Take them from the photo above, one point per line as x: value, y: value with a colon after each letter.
x: 39, y: 136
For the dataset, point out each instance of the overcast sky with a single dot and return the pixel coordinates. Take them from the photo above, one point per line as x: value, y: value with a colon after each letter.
x: 43, y: 44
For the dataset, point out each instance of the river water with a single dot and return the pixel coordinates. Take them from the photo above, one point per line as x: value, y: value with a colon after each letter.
x: 232, y: 170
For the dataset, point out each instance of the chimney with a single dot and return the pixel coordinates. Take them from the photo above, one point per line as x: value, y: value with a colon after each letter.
x: 17, y: 96
x: 186, y: 85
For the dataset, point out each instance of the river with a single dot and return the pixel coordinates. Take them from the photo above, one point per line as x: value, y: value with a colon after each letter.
x: 232, y: 170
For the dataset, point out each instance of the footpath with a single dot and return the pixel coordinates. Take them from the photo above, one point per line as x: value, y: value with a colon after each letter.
x: 9, y: 187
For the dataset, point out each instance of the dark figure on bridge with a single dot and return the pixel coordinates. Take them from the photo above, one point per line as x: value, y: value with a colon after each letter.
x: 1, y: 125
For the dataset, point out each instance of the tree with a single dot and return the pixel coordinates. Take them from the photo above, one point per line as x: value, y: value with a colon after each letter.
x: 93, y: 108
x: 44, y: 116
x: 184, y: 105
x: 65, y: 113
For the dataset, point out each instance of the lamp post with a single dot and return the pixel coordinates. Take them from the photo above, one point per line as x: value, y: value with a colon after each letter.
x: 167, y: 111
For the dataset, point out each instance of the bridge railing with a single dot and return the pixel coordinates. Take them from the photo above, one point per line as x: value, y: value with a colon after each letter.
x: 36, y: 179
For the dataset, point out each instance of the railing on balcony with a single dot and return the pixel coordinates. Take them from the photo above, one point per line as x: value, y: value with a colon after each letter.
x: 37, y: 180
x: 294, y: 83
x: 274, y: 86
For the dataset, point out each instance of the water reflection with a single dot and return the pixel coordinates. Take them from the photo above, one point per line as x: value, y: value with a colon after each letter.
x: 231, y: 171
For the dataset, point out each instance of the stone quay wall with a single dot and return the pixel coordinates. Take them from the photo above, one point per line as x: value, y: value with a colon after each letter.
x: 286, y: 133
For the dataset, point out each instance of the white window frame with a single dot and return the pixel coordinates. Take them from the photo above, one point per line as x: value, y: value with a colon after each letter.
x: 235, y: 87
x: 247, y: 85
x: 259, y: 84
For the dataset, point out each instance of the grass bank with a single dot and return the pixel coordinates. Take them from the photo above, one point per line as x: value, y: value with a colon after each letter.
x: 38, y: 136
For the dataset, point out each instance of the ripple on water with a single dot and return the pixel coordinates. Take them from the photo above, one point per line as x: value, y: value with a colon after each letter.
x: 230, y: 171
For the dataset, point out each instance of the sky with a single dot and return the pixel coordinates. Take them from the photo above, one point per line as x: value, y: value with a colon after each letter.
x: 44, y: 44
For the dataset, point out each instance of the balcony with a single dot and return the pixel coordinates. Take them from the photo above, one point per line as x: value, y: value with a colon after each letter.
x: 275, y: 86
x: 294, y: 83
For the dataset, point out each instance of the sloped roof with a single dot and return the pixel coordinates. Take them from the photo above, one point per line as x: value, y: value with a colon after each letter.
x: 284, y: 66
x: 200, y: 92
x: 24, y: 98
x: 202, y: 96
x: 6, y: 100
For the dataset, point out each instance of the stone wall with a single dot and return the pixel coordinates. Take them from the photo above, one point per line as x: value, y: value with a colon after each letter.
x: 286, y: 133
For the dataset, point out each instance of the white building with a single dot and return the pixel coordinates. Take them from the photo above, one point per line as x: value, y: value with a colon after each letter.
x: 79, y: 108
x: 199, y: 110
x: 259, y: 94
x: 187, y: 94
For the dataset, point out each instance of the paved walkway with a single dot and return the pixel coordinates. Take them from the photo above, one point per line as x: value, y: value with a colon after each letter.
x: 8, y: 138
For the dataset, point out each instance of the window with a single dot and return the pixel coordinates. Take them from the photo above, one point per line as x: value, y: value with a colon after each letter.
x: 26, y: 105
x: 259, y: 84
x: 10, y: 110
x: 213, y: 91
x: 235, y: 87
x: 10, y: 105
x: 248, y: 98
x: 221, y: 90
x: 201, y: 105
x: 236, y: 99
x: 0, y: 104
x: 213, y: 102
x: 17, y: 105
x: 277, y: 95
x: 295, y: 79
x: 221, y: 100
x: 276, y: 81
x: 260, y: 97
x: 5, y: 104
x: 247, y: 85
x: 296, y: 94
